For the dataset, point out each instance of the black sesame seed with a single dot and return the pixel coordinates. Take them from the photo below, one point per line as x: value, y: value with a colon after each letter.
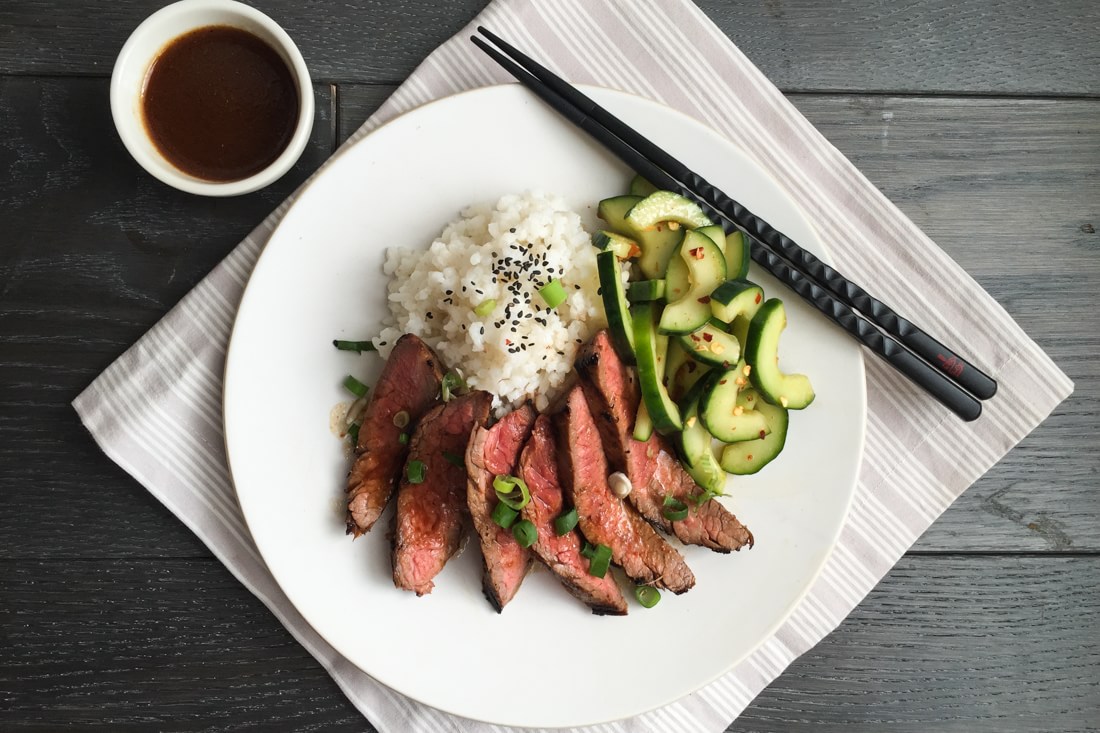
x: 512, y: 230
x: 576, y: 287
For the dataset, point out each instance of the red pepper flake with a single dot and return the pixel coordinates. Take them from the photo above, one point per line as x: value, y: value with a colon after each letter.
x: 758, y: 297
x: 722, y: 381
x: 690, y: 366
x: 708, y: 336
x: 763, y: 433
x: 507, y: 342
x: 704, y: 300
x: 697, y: 253
x: 635, y: 250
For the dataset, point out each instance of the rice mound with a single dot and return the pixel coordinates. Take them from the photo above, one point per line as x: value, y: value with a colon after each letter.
x: 504, y: 252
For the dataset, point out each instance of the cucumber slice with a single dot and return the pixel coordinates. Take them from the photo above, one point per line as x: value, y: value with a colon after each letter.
x: 750, y: 456
x: 677, y: 279
x: 643, y: 425
x: 706, y: 269
x: 696, y: 444
x: 682, y: 372
x: 717, y: 235
x: 615, y: 305
x: 641, y: 291
x: 737, y: 256
x: 623, y: 247
x: 641, y: 187
x: 736, y: 298
x: 651, y: 353
x: 711, y: 345
x: 792, y: 391
x: 658, y: 244
x: 666, y: 206
x: 727, y: 409
x: 740, y: 330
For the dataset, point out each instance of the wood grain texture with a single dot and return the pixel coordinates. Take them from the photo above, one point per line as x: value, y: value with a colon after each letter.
x: 946, y: 643
x: 95, y: 252
x: 971, y: 46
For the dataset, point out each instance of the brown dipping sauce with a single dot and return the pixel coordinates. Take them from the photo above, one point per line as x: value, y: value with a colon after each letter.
x: 220, y: 104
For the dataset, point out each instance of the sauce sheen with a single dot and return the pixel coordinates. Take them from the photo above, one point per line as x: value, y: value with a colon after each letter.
x: 220, y: 104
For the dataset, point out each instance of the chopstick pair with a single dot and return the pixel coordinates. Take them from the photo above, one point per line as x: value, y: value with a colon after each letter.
x: 940, y: 371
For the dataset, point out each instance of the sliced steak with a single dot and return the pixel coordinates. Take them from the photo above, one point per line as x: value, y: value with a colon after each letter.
x: 604, y: 518
x: 539, y: 468
x: 431, y: 515
x: 492, y: 452
x: 410, y: 382
x: 651, y: 466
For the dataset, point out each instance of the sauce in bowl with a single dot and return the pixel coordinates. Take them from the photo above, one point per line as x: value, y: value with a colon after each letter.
x: 220, y: 104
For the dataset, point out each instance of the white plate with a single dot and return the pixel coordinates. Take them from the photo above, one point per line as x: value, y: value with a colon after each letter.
x: 545, y: 661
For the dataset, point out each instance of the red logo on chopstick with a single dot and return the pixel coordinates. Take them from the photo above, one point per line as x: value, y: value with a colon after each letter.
x: 952, y: 366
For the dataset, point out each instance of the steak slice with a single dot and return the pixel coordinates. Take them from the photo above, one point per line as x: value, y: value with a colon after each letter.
x: 491, y: 452
x: 604, y: 518
x: 411, y: 382
x: 538, y: 467
x: 651, y: 466
x: 431, y: 515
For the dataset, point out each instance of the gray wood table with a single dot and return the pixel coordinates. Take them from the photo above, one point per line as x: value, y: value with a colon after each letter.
x: 981, y: 120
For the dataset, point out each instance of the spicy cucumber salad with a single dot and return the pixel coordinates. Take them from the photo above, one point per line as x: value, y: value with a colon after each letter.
x: 703, y: 337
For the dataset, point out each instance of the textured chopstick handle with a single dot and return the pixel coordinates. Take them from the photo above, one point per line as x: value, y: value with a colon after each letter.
x: 931, y: 380
x: 931, y: 350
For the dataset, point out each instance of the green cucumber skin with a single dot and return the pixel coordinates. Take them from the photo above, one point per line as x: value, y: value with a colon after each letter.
x: 615, y: 305
x: 736, y: 298
x: 641, y: 291
x: 641, y: 187
x: 735, y: 457
x: 693, y: 310
x: 694, y: 442
x: 662, y: 410
x: 716, y: 409
x: 791, y: 391
x: 658, y: 244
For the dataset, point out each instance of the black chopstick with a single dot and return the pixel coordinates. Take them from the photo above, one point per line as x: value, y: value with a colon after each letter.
x: 836, y: 297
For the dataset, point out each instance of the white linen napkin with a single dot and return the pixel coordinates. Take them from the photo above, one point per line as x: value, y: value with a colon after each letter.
x: 157, y: 410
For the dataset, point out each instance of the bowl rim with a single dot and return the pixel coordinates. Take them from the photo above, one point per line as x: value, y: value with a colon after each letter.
x: 144, y: 45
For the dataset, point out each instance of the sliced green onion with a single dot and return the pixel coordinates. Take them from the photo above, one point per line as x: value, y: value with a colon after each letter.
x: 454, y: 459
x: 599, y: 561
x: 565, y: 523
x: 525, y: 533
x: 353, y: 385
x: 703, y: 497
x: 647, y: 595
x: 675, y: 510
x: 452, y: 384
x: 353, y: 432
x: 512, y: 491
x: 588, y: 551
x: 485, y: 307
x: 504, y: 515
x: 403, y: 439
x: 553, y: 293
x: 359, y: 346
x: 401, y: 419
x: 415, y: 471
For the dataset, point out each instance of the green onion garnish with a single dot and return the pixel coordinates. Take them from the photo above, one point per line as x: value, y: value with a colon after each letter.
x: 403, y: 439
x: 512, y: 491
x: 359, y: 346
x: 675, y: 510
x: 703, y: 497
x: 553, y: 293
x: 353, y: 432
x: 647, y: 595
x: 525, y: 533
x: 452, y: 384
x: 588, y: 550
x: 599, y: 560
x: 565, y: 523
x: 415, y: 471
x: 353, y: 385
x: 485, y: 307
x: 504, y: 515
x: 454, y: 459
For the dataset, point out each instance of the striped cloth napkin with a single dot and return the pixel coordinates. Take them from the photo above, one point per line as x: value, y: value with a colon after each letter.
x: 156, y: 411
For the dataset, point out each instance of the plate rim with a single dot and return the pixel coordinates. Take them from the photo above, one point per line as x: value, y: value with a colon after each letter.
x: 509, y: 88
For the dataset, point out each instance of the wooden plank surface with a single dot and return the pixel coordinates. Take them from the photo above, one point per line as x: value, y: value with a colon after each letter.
x: 944, y: 643
x: 969, y: 46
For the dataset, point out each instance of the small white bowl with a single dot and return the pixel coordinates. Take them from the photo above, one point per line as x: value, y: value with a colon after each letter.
x: 143, y: 47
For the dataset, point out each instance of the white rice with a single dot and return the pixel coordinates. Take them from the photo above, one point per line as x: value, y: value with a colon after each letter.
x: 522, y: 349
